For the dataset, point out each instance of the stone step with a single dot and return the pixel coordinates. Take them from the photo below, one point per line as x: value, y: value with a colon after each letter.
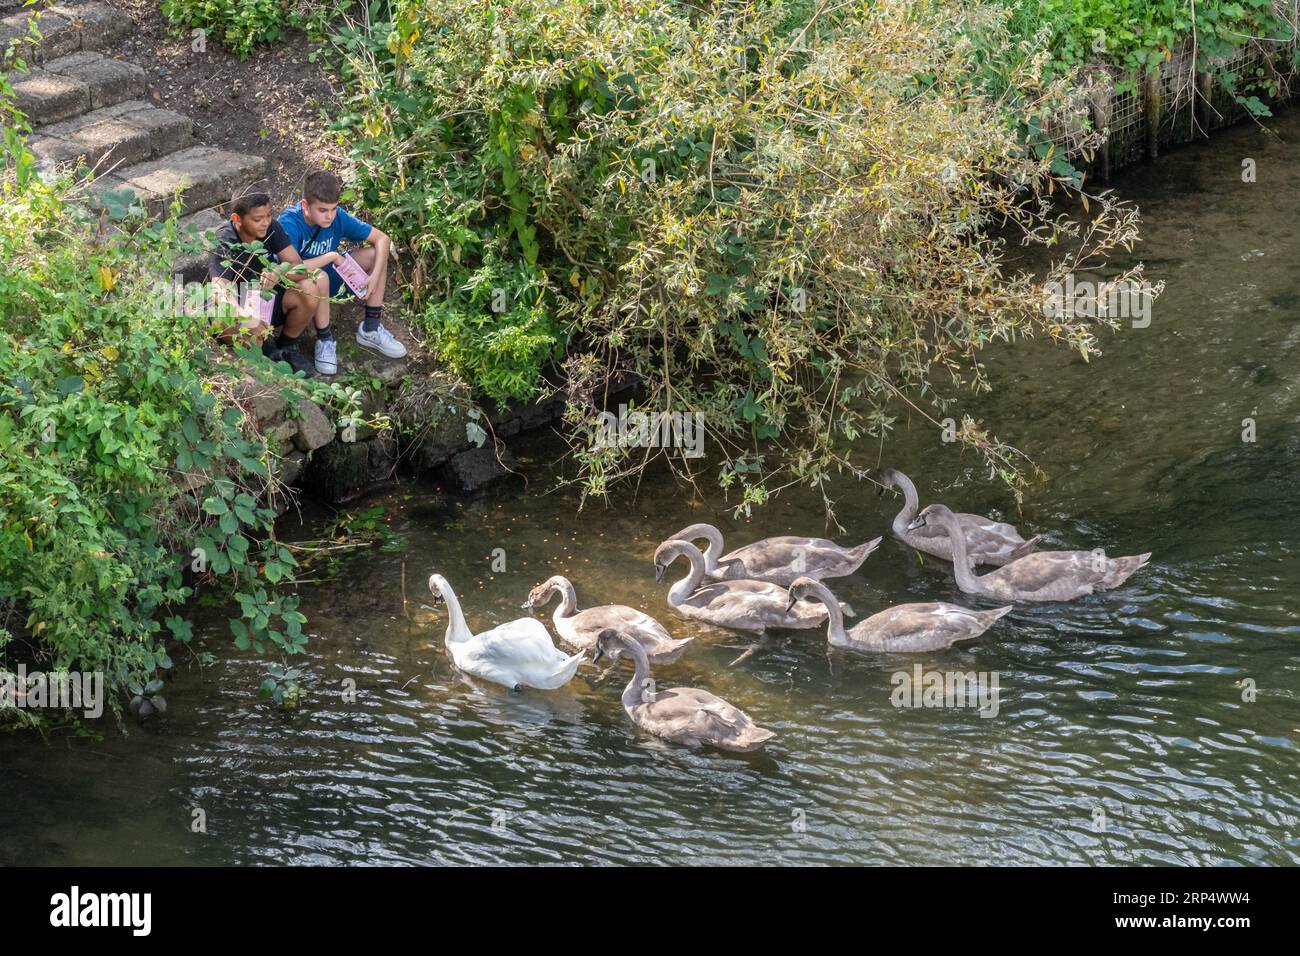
x: 72, y: 85
x: 207, y: 175
x: 193, y: 267
x: 66, y: 28
x: 113, y: 137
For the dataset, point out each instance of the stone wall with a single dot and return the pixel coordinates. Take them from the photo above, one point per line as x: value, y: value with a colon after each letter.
x: 415, y: 423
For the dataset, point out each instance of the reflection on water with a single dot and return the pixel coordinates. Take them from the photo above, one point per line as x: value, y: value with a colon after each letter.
x: 1121, y: 735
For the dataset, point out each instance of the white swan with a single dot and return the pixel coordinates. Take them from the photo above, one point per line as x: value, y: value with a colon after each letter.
x: 517, y: 654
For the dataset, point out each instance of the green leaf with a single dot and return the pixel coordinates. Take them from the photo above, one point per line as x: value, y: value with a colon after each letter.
x: 70, y: 385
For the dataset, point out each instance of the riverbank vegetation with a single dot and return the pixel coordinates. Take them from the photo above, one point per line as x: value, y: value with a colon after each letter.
x: 792, y: 221
x: 240, y: 25
x: 1142, y: 34
x: 130, y: 476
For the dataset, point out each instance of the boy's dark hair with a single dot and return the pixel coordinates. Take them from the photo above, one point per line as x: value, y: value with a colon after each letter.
x: 321, y: 186
x: 248, y: 201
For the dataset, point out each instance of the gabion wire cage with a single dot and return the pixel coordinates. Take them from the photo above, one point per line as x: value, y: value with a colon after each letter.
x: 1179, y: 102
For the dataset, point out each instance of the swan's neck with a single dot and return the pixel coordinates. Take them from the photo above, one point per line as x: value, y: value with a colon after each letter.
x: 714, y: 551
x: 960, y: 559
x: 633, y: 693
x: 910, y: 505
x: 691, y: 583
x: 568, y: 600
x: 457, y: 629
x: 835, y: 621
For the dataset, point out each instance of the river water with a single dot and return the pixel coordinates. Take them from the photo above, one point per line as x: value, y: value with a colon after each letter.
x: 1125, y: 731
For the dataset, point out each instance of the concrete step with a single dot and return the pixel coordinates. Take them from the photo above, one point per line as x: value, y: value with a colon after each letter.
x: 72, y: 85
x: 208, y: 176
x: 113, y: 137
x: 193, y: 267
x: 66, y: 28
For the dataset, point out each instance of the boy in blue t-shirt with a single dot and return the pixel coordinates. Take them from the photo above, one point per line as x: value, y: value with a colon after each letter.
x: 315, y: 228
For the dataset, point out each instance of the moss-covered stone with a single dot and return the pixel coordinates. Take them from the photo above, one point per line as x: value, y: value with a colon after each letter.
x: 338, y: 471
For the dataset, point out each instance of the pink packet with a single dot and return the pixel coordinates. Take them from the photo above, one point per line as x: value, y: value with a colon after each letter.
x: 257, y: 310
x: 353, y: 276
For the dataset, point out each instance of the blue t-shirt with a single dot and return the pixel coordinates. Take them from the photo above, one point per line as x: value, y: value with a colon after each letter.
x: 312, y: 242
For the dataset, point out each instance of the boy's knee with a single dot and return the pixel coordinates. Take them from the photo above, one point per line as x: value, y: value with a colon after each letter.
x: 310, y: 287
x: 295, y: 300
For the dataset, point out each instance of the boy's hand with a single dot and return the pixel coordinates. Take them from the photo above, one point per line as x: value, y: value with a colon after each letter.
x: 269, y: 278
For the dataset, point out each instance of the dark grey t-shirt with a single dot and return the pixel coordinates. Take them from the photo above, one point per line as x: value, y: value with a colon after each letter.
x: 244, y: 266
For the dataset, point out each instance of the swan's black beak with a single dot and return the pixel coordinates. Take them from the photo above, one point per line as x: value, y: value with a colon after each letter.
x: 597, y: 656
x: 659, y: 573
x: 880, y: 491
x: 791, y: 603
x: 916, y: 524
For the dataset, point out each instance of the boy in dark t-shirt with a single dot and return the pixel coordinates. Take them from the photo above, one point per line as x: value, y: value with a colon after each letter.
x: 253, y: 254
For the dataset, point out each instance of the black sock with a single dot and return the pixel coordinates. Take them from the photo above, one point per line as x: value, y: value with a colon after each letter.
x: 284, y: 342
x: 371, y: 321
x: 324, y: 335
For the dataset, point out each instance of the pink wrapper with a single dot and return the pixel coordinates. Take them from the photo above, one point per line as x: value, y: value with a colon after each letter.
x: 257, y: 309
x: 353, y: 276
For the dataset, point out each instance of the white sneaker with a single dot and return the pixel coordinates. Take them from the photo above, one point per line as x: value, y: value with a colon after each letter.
x: 381, y: 341
x: 327, y: 357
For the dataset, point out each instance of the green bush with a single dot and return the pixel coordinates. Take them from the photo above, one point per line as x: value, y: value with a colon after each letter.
x: 1137, y: 35
x: 242, y: 24
x: 787, y: 221
x: 123, y: 449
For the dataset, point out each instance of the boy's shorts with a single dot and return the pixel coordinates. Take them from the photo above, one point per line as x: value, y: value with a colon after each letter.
x: 336, y: 282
